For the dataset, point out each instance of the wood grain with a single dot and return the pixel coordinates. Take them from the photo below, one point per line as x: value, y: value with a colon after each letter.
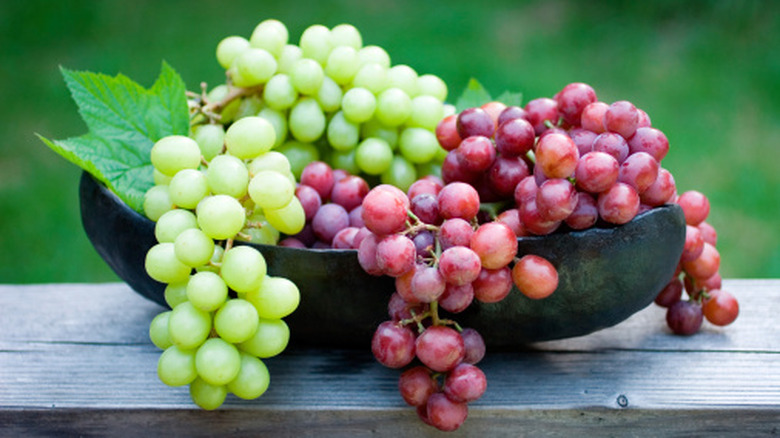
x: 75, y: 359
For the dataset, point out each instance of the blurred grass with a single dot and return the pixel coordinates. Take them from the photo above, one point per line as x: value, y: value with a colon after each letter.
x: 707, y: 72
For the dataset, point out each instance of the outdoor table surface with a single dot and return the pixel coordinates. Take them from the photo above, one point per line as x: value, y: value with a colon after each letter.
x: 76, y: 360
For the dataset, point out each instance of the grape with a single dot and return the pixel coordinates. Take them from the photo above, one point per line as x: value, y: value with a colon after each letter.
x: 475, y: 121
x: 275, y: 298
x: 316, y: 43
x: 416, y: 385
x: 401, y: 173
x: 228, y: 175
x: 459, y: 265
x: 343, y: 134
x: 456, y: 299
x: 271, y: 35
x: 514, y: 137
x: 493, y: 285
x: 367, y: 255
x: 349, y: 192
x: 162, y: 265
x: 187, y: 188
x: 252, y: 67
x: 533, y: 219
x: 158, y: 331
x: 176, y: 366
x: 307, y: 121
x: 694, y: 244
x: 358, y: 105
x: 172, y: 223
x: 426, y: 112
x: 597, y: 171
x: 704, y: 266
x: 445, y: 414
x: 174, y: 153
x: 622, y: 117
x: 426, y: 208
x: 342, y: 64
x: 661, y: 190
x: 271, y: 190
x: 458, y: 200
x: 455, y: 232
x: 278, y: 120
x: 206, y: 395
x: 345, y: 238
x: 392, y: 345
x: 585, y: 213
x: 374, y: 156
x: 684, y: 317
x: 270, y: 339
x: 188, y: 326
x: 465, y: 383
x: 651, y: 141
x: 708, y: 233
x: 329, y: 220
x: 556, y: 199
x: 393, y: 107
x: 670, y: 294
x: 721, y: 308
x: 249, y: 137
x: 431, y: 85
x: 289, y: 219
x: 243, y: 268
x: 403, y: 77
x: 572, y: 99
x: 447, y: 133
x: 220, y: 216
x: 384, y: 210
x: 511, y: 218
x: 495, y: 244
x: 474, y: 345
x: 440, y: 348
x: 427, y: 284
x: 307, y: 76
x: 375, y: 54
x: 639, y: 170
x: 395, y: 255
x: 418, y: 145
x: 695, y: 206
x: 175, y: 293
x: 535, y: 277
x: 280, y: 94
x: 236, y: 321
x: 229, y: 48
x: 476, y: 153
x: 206, y: 291
x: 193, y: 247
x: 252, y: 380
x: 583, y: 139
x: 217, y: 362
x: 592, y: 117
x: 557, y: 155
x: 619, y: 204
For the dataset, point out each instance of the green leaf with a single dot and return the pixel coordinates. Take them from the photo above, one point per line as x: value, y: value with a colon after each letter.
x: 124, y: 121
x: 474, y: 95
x: 510, y: 98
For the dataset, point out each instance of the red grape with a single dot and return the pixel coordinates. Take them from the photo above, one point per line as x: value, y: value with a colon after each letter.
x: 722, y: 308
x: 535, y: 276
x: 440, y: 348
x: 393, y: 345
x: 416, y: 385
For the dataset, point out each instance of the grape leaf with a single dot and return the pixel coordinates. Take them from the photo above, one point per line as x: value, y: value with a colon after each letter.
x: 475, y: 95
x: 124, y: 121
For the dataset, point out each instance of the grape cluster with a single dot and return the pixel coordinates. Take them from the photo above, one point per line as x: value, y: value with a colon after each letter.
x: 226, y: 311
x: 697, y: 274
x: 331, y: 98
x: 442, y: 257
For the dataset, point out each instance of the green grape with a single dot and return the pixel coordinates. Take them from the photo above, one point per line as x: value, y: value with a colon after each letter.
x: 279, y: 93
x: 426, y: 113
x: 236, y: 321
x: 329, y: 95
x: 157, y: 202
x: 216, y: 258
x: 176, y: 366
x: 217, y: 361
x: 243, y: 268
x: 207, y: 291
x: 162, y: 265
x: 307, y: 121
x: 210, y: 139
x: 279, y: 122
x: 289, y: 219
x: 441, y: 155
x: 372, y: 77
x: 218, y: 93
x: 342, y: 65
x: 393, y: 107
x: 315, y: 43
x: 158, y: 331
x: 374, y: 156
x: 276, y: 298
x: 272, y: 160
x: 289, y: 57
x: 250, y: 137
x: 252, y: 380
x: 220, y: 216
x: 307, y: 76
x: 187, y: 188
x: 342, y: 134
x: 432, y: 85
x: 358, y: 105
x: 376, y: 54
x: 270, y: 35
x: 429, y: 168
x: 346, y: 35
x: 227, y: 175
x: 172, y: 223
x: 271, y: 189
x: 229, y: 48
x: 253, y: 67
x: 403, y: 77
x: 449, y: 109
x: 176, y: 293
x: 188, y: 326
x: 344, y: 160
x: 263, y: 232
x: 160, y: 178
x: 175, y: 152
x: 250, y: 106
x: 206, y: 395
x: 400, y: 174
x: 270, y: 339
x: 418, y: 145
x: 299, y: 155
x: 374, y: 128
x: 193, y: 247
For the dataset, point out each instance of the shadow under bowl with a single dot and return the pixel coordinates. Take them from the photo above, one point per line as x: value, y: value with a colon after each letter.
x: 605, y: 276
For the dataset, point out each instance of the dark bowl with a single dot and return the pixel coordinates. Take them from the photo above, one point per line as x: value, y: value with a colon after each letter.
x: 605, y: 276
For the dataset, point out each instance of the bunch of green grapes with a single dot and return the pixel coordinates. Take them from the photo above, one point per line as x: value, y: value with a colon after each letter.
x: 220, y: 186
x: 333, y: 99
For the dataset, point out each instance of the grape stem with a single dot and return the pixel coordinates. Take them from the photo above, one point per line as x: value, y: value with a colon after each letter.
x: 212, y: 109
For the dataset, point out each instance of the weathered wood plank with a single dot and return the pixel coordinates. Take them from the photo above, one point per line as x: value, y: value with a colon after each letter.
x: 76, y: 359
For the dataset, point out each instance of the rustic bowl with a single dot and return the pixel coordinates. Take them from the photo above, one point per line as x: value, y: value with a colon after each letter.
x: 605, y: 276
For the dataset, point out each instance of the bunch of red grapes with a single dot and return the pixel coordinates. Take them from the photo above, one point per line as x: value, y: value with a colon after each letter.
x: 569, y: 162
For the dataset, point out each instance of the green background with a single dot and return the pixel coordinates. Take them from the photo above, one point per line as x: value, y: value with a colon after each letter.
x: 707, y: 73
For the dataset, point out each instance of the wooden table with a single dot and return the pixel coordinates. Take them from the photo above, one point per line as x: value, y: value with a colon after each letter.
x: 75, y: 360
